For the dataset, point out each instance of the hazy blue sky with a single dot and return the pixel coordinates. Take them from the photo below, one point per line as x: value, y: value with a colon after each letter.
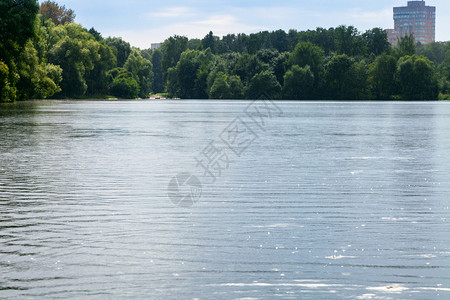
x: 143, y: 22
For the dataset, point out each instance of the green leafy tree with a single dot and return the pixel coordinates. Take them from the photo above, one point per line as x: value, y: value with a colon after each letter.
x: 279, y: 40
x: 17, y: 26
x: 280, y: 66
x: 158, y: 79
x: 146, y: 53
x: 241, y: 44
x: 298, y: 83
x: 97, y: 79
x: 125, y: 87
x: 258, y: 41
x: 194, y: 44
x: 220, y: 88
x: 264, y: 83
x: 247, y: 66
x: 17, y: 23
x: 406, y: 46
x: 445, y: 66
x: 226, y: 87
x: 377, y: 41
x: 172, y: 83
x: 172, y: 49
x: 97, y: 35
x: 235, y: 43
x: 293, y: 38
x: 37, y: 80
x: 123, y: 84
x: 189, y: 78
x: 444, y: 71
x: 346, y: 78
x: 308, y: 54
x: 348, y: 41
x: 436, y: 52
x: 236, y: 87
x: 382, y: 77
x: 187, y: 69
x: 254, y: 43
x: 417, y: 78
x: 7, y: 89
x: 77, y: 54
x: 209, y: 41
x: 267, y: 56
x: 121, y: 48
x: 220, y: 65
x: 324, y: 38
x: 48, y: 36
x: 229, y: 42
x: 276, y: 61
x: 141, y: 69
x: 58, y: 14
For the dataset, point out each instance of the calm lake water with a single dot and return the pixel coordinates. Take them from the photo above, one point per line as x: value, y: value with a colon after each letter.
x: 313, y: 200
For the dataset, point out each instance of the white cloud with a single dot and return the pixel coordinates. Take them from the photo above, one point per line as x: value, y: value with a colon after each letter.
x: 217, y: 20
x: 173, y: 12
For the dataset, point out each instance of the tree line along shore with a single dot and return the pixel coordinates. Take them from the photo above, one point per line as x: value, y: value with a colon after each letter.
x: 44, y: 54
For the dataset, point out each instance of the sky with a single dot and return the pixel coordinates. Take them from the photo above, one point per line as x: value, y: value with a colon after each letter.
x: 142, y: 22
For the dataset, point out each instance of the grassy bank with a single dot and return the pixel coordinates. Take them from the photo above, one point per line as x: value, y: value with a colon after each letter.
x: 444, y: 97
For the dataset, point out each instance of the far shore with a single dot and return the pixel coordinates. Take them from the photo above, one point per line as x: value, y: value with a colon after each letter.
x: 108, y: 99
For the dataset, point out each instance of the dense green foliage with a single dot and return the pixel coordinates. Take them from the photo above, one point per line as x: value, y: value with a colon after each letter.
x: 298, y: 83
x: 417, y: 78
x: 17, y: 26
x: 46, y: 55
x: 337, y: 63
x: 123, y: 84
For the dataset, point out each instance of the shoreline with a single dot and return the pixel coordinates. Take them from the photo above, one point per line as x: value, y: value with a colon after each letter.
x: 214, y: 100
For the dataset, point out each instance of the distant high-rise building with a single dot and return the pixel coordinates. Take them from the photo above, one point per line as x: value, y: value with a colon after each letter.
x: 155, y: 46
x: 392, y: 38
x: 416, y: 19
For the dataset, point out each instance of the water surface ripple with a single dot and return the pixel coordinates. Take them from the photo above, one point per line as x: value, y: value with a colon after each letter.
x: 333, y: 200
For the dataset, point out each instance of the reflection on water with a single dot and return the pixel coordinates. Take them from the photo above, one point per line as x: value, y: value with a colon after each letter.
x: 334, y: 200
